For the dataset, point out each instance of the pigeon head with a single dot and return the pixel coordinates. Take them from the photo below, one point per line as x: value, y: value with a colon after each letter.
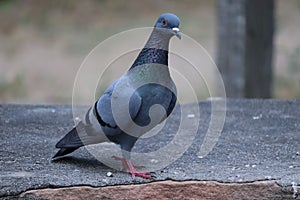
x: 169, y: 24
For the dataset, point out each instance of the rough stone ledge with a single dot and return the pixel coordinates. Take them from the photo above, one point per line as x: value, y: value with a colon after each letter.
x: 169, y: 190
x: 257, y: 154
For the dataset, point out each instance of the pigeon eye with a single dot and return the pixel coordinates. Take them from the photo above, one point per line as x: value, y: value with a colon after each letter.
x: 164, y: 22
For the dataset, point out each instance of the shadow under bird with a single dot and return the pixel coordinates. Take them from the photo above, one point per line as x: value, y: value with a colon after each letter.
x: 126, y: 110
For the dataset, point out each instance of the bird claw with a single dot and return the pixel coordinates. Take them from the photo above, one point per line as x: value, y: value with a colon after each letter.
x: 146, y: 175
x: 129, y: 167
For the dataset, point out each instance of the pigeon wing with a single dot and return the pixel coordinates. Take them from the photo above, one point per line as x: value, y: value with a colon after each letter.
x: 105, y: 114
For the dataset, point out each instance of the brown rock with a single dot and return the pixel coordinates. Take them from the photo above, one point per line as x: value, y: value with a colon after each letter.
x: 168, y: 190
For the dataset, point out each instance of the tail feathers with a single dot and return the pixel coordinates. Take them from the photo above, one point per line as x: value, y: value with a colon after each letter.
x: 72, y: 139
x: 69, y: 142
x: 63, y: 152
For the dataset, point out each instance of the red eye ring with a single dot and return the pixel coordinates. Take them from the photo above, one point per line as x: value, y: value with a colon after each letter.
x: 164, y: 22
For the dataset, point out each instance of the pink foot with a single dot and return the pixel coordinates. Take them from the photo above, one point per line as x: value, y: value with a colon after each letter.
x: 129, y: 167
x: 134, y: 173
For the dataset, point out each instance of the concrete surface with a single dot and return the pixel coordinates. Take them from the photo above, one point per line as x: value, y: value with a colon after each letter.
x: 260, y: 142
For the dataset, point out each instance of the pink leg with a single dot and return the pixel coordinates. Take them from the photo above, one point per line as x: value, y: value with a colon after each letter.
x: 124, y: 163
x: 127, y: 165
x: 134, y: 173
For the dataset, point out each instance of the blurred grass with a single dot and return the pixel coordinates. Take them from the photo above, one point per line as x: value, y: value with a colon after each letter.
x: 298, y: 5
x: 48, y: 40
x: 289, y: 83
x: 43, y: 43
x: 294, y: 61
x: 13, y: 88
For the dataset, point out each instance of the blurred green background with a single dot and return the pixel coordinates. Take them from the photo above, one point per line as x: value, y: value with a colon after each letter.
x: 43, y: 43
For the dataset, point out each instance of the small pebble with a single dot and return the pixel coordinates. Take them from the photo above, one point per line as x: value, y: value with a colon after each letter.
x: 105, y: 180
x: 257, y: 117
x: 268, y: 177
x: 191, y: 116
x: 109, y: 174
x: 295, y: 190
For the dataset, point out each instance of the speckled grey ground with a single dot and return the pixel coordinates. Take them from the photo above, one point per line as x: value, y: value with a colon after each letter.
x: 260, y: 141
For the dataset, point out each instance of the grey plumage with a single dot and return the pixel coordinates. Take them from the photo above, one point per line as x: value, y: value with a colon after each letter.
x: 147, y: 83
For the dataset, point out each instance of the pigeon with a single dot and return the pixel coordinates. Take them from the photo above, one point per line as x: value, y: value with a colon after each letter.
x: 134, y: 103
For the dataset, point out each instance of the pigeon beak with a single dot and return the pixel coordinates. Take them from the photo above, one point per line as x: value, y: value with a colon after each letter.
x: 177, y: 32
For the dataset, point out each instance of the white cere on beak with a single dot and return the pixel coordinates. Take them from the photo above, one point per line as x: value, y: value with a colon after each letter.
x: 177, y: 32
x: 175, y: 29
